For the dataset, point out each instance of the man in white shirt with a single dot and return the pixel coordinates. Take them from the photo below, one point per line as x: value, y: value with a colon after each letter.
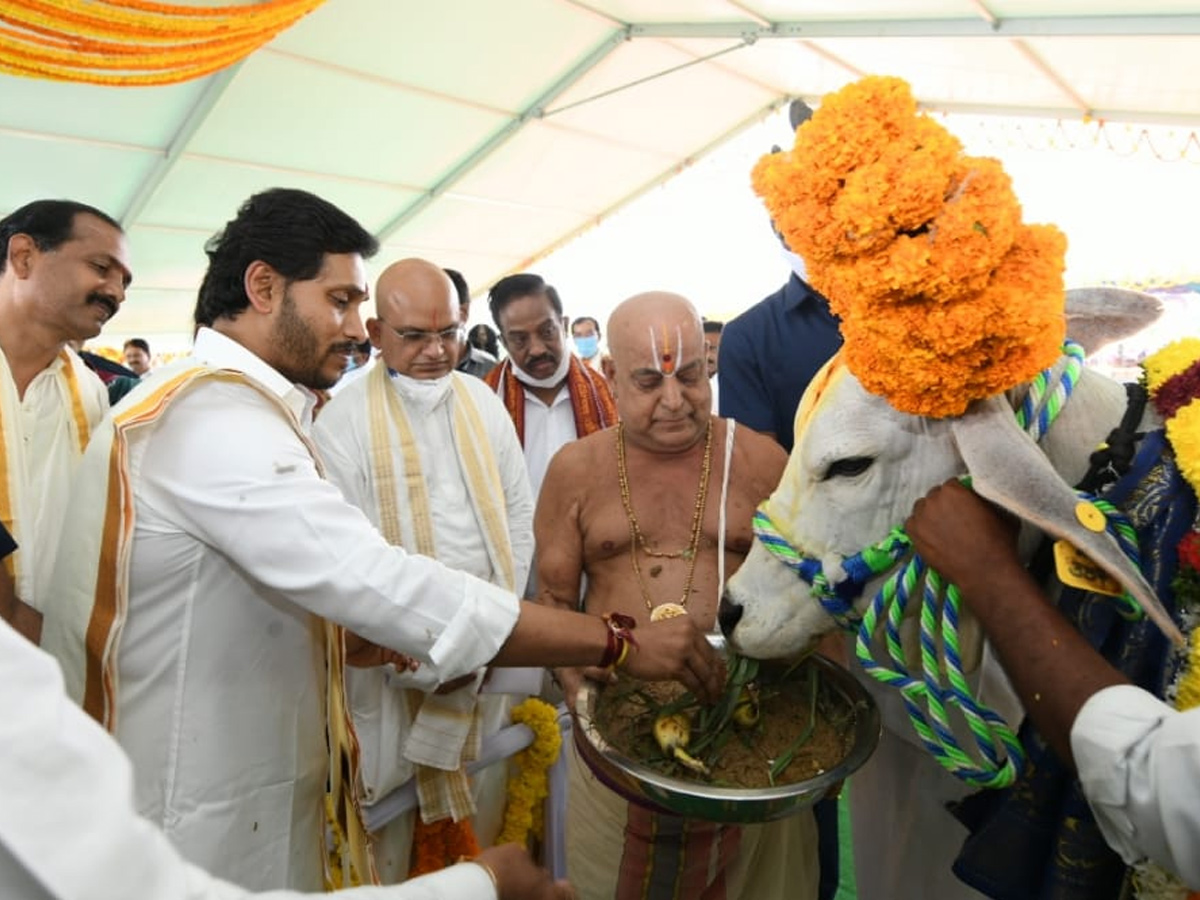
x: 1137, y: 758
x: 68, y: 830
x: 431, y: 457
x: 207, y: 562
x: 63, y: 273
x: 552, y: 397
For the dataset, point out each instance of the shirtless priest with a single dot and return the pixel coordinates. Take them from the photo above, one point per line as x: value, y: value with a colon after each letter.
x: 638, y: 510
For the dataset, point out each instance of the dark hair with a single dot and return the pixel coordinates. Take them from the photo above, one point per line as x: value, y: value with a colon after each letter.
x: 289, y: 230
x: 460, y: 286
x: 140, y: 343
x: 711, y: 327
x: 514, y: 287
x: 51, y: 223
x: 488, y: 342
x: 364, y: 347
x: 595, y: 324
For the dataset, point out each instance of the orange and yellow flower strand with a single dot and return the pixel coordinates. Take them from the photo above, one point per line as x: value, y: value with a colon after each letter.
x: 444, y: 843
x: 135, y: 42
x: 945, y: 296
x: 1172, y: 378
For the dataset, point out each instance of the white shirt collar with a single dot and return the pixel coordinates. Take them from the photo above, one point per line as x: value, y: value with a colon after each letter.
x: 563, y: 396
x: 223, y: 352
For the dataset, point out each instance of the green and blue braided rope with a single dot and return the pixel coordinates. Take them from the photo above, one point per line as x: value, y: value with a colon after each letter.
x: 1038, y: 411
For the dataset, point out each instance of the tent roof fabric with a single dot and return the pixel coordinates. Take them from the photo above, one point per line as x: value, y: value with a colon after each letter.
x: 482, y: 135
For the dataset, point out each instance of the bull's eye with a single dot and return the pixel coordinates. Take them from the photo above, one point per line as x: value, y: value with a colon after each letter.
x: 848, y: 467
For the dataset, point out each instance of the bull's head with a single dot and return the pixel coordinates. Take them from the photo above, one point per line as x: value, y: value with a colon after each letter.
x: 858, y: 467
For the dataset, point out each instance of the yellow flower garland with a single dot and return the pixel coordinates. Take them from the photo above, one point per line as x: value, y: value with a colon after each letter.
x: 135, y: 42
x: 1172, y: 377
x: 528, y: 786
x: 945, y: 296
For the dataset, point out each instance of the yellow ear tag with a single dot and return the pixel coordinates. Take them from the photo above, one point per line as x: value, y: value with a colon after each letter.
x: 1090, y: 517
x: 1078, y: 571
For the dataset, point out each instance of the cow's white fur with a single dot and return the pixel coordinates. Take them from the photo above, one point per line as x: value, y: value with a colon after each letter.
x: 905, y: 840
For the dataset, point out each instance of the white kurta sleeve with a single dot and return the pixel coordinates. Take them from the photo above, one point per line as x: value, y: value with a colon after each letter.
x: 225, y: 465
x: 1139, y: 764
x: 68, y: 830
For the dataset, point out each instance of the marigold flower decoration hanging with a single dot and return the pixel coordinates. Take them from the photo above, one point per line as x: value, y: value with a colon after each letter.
x: 945, y: 296
x: 529, y: 785
x: 1172, y: 378
x: 443, y: 843
x: 135, y: 43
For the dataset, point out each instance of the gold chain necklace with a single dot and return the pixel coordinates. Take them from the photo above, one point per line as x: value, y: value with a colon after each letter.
x: 638, y: 541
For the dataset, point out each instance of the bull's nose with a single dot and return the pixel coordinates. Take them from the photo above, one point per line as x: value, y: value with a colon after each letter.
x: 728, y: 615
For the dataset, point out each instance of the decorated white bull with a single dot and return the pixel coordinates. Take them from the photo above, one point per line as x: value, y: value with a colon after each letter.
x: 857, y: 468
x: 954, y: 365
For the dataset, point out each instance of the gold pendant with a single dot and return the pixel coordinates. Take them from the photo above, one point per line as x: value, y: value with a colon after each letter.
x: 667, y: 611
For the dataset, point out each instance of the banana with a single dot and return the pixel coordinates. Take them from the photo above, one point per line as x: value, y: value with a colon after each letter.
x: 745, y: 713
x: 673, y: 733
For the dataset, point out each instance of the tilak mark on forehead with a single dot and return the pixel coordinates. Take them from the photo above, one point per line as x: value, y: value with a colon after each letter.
x: 667, y: 360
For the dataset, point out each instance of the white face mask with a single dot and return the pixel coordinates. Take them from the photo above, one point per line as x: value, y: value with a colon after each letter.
x: 423, y: 393
x: 550, y: 380
x: 795, y: 263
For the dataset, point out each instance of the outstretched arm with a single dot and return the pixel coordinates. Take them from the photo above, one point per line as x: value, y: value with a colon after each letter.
x: 1053, y: 669
x: 1134, y: 754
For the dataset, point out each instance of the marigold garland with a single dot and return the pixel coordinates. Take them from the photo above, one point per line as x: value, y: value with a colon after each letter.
x: 443, y: 843
x: 437, y: 845
x: 135, y: 42
x: 1172, y: 377
x: 945, y: 296
x: 529, y: 785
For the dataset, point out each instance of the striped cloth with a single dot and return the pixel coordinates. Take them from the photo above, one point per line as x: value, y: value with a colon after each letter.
x: 591, y: 398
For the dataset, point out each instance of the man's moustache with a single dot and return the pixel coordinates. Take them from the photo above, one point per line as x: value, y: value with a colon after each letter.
x: 105, y: 300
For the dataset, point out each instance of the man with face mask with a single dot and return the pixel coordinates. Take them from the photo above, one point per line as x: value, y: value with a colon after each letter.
x: 585, y: 335
x: 64, y: 269
x: 417, y: 442
x: 552, y: 397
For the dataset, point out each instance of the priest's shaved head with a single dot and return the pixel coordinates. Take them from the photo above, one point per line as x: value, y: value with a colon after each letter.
x: 417, y: 327
x: 661, y: 376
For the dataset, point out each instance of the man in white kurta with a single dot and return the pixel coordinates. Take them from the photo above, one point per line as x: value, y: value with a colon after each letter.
x: 237, y: 545
x: 194, y: 614
x: 63, y: 274
x: 69, y: 831
x: 417, y: 332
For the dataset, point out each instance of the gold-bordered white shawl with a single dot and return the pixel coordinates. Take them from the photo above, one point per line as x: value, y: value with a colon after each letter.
x: 87, y: 622
x: 442, y: 793
x: 12, y: 465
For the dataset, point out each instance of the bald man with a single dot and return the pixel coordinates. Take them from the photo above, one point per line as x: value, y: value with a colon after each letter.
x: 637, y: 509
x: 431, y: 456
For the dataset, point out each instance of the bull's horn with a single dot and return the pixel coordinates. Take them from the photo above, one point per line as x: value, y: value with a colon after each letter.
x: 1007, y: 468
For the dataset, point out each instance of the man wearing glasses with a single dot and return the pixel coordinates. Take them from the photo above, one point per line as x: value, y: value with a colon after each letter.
x: 430, y: 456
x: 553, y: 398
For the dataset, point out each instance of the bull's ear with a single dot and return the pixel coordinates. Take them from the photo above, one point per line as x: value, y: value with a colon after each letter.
x: 1098, y: 316
x: 1007, y: 468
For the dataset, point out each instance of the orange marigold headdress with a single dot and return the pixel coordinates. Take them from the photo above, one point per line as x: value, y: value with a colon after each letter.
x: 945, y: 296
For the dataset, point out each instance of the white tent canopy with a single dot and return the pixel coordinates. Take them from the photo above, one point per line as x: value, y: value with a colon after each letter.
x: 483, y: 134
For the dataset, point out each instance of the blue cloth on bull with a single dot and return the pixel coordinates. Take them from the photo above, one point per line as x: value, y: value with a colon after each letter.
x: 1038, y: 840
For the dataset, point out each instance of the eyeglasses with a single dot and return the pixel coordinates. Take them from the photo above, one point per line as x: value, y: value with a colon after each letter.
x: 416, y: 338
